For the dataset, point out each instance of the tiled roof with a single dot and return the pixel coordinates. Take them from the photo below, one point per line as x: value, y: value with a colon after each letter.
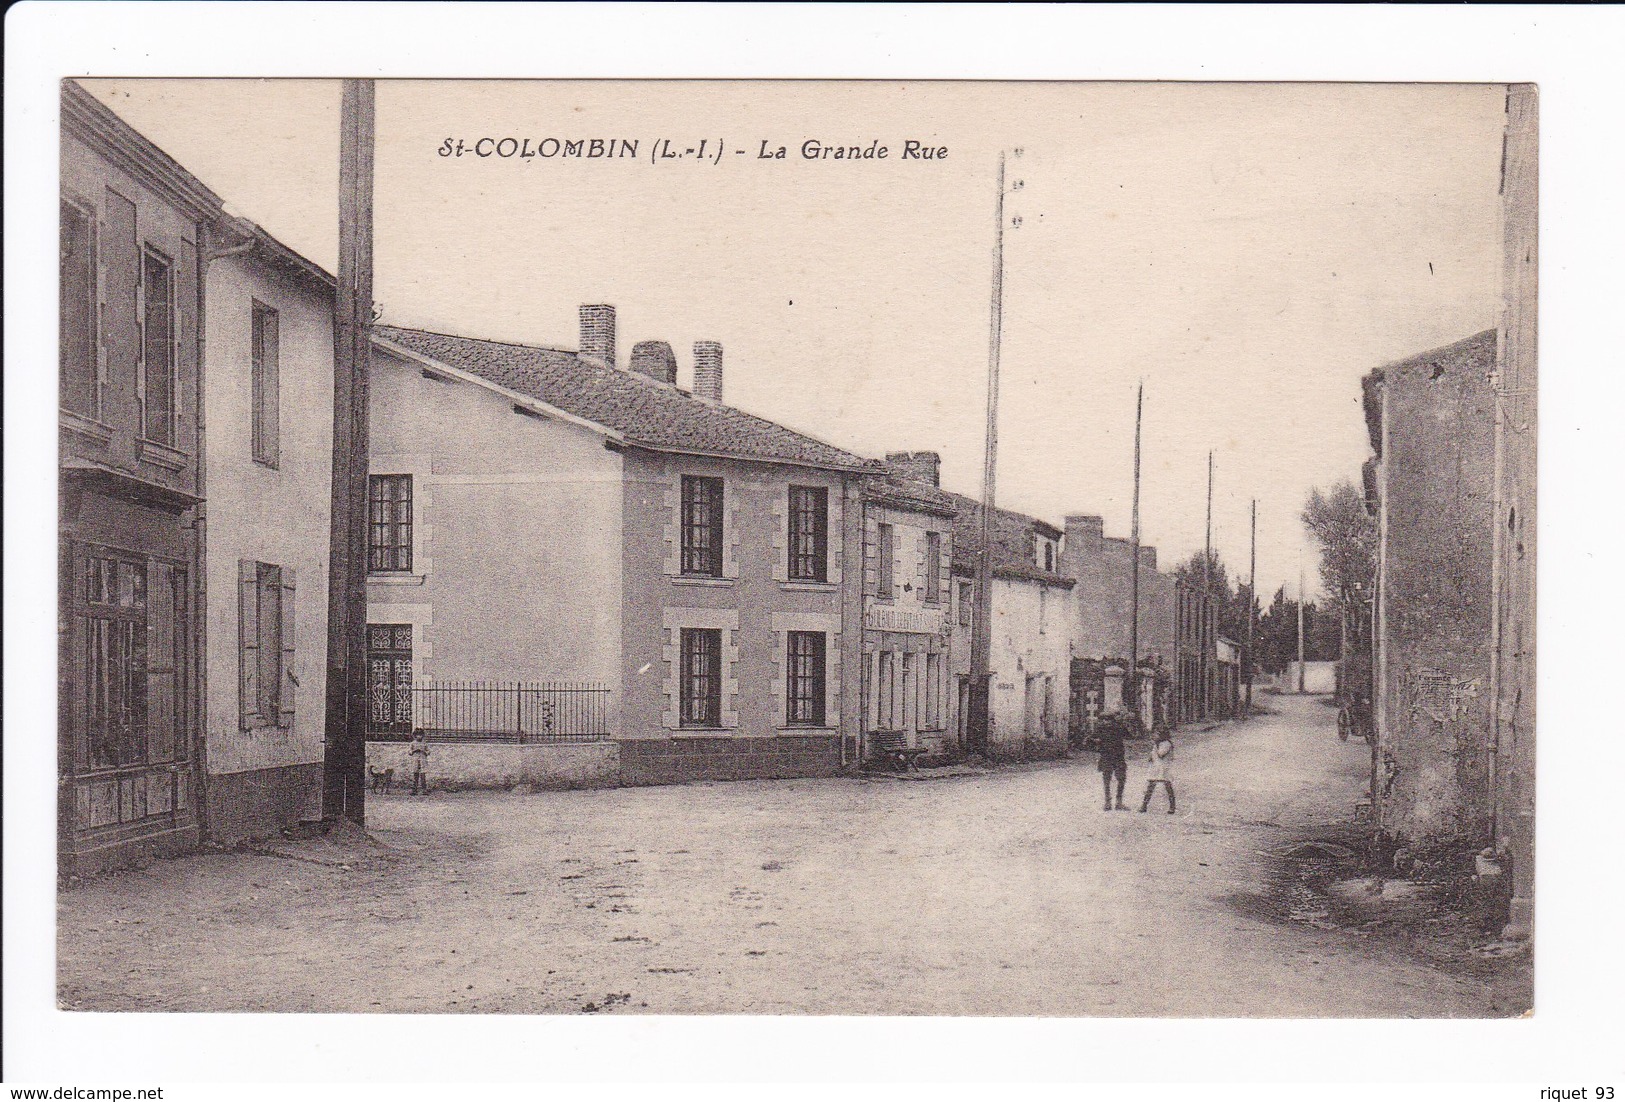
x: 644, y: 411
x: 1012, y: 543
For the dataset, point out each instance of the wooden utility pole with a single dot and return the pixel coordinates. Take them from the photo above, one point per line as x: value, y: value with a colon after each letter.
x: 1208, y: 642
x: 982, y: 629
x: 1252, y: 601
x: 344, y: 757
x: 1134, y: 586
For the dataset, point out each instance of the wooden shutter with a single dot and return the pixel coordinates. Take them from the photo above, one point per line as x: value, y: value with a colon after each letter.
x: 248, y: 644
x: 271, y: 397
x: 290, y: 680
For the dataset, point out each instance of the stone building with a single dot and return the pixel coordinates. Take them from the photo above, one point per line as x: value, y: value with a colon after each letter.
x: 911, y: 698
x: 1432, y: 421
x: 1031, y: 636
x: 666, y: 587
x: 187, y: 557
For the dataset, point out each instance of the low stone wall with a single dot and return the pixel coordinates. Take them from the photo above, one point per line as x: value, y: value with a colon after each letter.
x: 674, y: 760
x: 503, y: 765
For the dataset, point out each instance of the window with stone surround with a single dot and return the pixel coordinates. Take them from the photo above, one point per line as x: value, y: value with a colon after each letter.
x: 700, y: 678
x: 389, y: 527
x: 885, y: 554
x: 809, y: 534
x: 804, y: 678
x: 702, y: 526
x: 933, y: 568
x: 158, y: 347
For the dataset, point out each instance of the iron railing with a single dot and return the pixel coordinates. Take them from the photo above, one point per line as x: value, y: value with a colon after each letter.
x: 504, y: 711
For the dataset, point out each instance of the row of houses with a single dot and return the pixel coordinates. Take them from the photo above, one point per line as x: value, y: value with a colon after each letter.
x: 1451, y: 483
x: 579, y: 572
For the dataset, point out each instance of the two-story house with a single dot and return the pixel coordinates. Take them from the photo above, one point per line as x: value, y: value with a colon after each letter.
x: 910, y: 697
x: 175, y: 316
x: 563, y: 524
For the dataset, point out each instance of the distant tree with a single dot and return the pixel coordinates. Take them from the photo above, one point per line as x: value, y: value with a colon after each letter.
x: 1276, y: 639
x: 1232, y: 598
x: 1347, y: 535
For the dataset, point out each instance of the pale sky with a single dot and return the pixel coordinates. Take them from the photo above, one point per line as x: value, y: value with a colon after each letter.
x: 1248, y: 250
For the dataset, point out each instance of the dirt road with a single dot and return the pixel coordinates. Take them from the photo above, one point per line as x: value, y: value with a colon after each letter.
x: 1005, y: 893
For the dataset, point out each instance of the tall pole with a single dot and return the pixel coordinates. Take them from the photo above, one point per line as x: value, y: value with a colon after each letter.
x: 982, y: 630
x: 1252, y: 601
x: 344, y: 756
x: 1204, y: 656
x: 1134, y: 586
x: 1301, y: 679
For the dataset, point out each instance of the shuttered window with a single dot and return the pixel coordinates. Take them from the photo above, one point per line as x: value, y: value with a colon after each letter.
x: 933, y: 567
x: 266, y: 674
x: 265, y: 376
x: 158, y: 347
x: 885, y: 553
x: 77, y: 310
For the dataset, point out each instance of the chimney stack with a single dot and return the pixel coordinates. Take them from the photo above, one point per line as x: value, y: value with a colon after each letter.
x: 921, y: 466
x: 598, y: 332
x: 1148, y: 558
x: 1084, y: 530
x: 708, y: 371
x: 656, y: 360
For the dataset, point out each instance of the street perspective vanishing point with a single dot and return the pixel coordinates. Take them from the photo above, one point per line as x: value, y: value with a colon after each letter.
x: 954, y: 548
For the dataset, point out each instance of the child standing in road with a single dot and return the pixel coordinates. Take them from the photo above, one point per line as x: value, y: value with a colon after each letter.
x: 420, y: 755
x: 1158, y: 772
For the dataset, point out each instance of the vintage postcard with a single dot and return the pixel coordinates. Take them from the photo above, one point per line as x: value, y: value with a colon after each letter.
x: 801, y: 548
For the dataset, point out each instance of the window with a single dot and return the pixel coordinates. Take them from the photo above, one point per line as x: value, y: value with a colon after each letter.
x: 885, y: 552
x: 389, y: 678
x: 1049, y: 556
x: 809, y: 533
x: 885, y: 694
x: 158, y: 347
x: 389, y: 513
x: 933, y: 692
x: 702, y: 526
x: 77, y: 310
x: 933, y: 567
x: 130, y: 707
x: 964, y: 603
x: 265, y: 642
x: 265, y: 380
x: 805, y: 680
x: 701, y: 688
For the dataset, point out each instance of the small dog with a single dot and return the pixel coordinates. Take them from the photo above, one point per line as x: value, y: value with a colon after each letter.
x: 381, y: 780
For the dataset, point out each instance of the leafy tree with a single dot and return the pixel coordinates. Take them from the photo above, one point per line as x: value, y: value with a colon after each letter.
x: 1347, y: 534
x: 1232, y: 599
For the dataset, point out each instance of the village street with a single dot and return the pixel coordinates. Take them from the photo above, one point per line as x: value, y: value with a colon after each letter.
x: 1010, y: 892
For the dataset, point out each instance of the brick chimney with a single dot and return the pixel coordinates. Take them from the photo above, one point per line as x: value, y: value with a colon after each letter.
x: 1148, y: 558
x: 654, y: 359
x: 708, y: 371
x: 598, y: 332
x: 920, y: 466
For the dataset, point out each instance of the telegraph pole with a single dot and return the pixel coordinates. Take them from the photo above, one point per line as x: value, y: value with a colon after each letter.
x: 1300, y: 627
x: 1252, y: 602
x: 1134, y: 586
x: 1207, y: 595
x: 982, y: 629
x: 344, y: 756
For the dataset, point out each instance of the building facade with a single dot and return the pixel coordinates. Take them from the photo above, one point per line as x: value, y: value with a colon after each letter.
x: 643, y: 567
x: 192, y: 602
x: 910, y: 694
x: 1431, y: 421
x: 1031, y: 634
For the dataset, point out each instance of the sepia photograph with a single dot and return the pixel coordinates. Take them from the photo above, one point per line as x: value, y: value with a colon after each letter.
x: 1049, y: 549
